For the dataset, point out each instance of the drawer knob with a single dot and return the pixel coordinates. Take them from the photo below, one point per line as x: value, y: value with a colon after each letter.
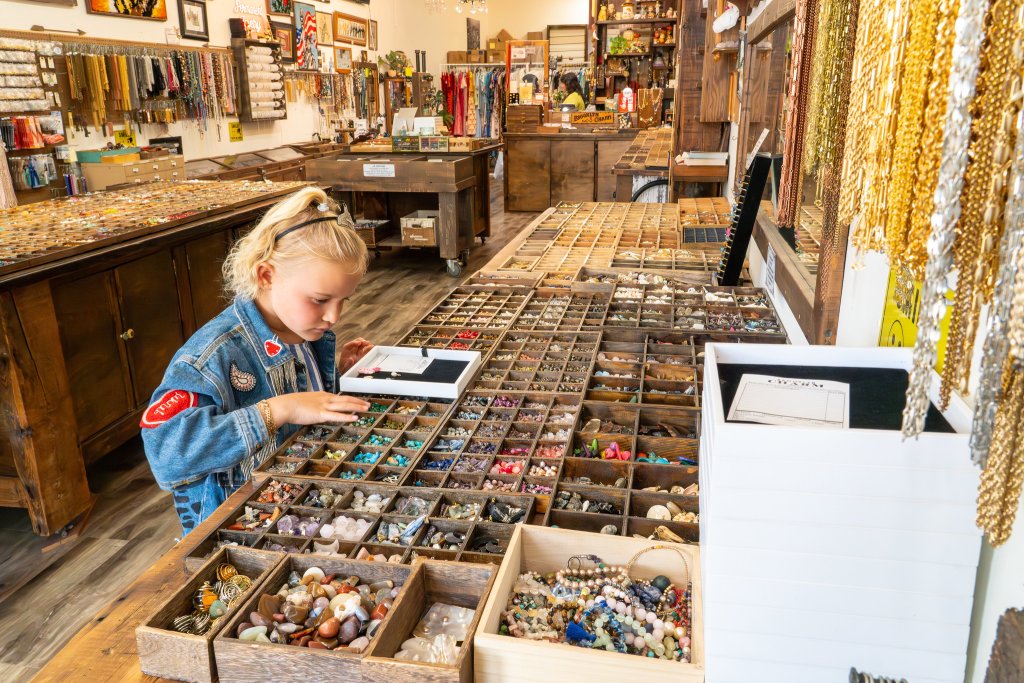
x: 128, y: 334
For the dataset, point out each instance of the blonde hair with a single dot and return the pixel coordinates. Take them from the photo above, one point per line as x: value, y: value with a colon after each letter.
x: 329, y: 240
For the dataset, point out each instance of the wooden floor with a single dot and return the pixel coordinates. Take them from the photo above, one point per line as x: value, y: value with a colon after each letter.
x: 49, y: 591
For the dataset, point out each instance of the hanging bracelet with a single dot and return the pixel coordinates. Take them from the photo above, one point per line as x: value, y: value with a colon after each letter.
x: 268, y: 416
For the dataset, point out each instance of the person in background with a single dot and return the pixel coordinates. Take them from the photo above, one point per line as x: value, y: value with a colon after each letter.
x: 245, y: 381
x: 569, y: 83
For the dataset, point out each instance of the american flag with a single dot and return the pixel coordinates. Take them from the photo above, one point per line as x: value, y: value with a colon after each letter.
x: 306, y: 53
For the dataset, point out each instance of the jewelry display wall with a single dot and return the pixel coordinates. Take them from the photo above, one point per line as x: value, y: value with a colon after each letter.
x: 261, y: 80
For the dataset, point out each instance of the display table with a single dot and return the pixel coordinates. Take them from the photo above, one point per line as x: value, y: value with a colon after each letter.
x: 409, y: 183
x: 96, y: 294
x: 542, y: 169
x: 649, y: 156
x: 481, y: 171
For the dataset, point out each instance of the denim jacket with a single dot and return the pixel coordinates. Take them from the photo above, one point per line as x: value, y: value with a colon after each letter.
x: 203, y: 417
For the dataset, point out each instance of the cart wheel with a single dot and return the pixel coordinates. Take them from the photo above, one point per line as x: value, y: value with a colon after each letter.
x: 464, y: 257
x: 483, y: 240
x: 454, y: 268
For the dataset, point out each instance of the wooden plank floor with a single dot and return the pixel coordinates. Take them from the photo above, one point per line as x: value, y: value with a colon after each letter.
x: 47, y: 596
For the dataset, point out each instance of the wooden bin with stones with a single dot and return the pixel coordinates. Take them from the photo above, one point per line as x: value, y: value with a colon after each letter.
x: 167, y: 653
x: 238, y: 660
x: 453, y: 583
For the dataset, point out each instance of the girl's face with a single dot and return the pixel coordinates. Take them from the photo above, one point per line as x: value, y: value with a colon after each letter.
x: 561, y: 86
x: 300, y: 301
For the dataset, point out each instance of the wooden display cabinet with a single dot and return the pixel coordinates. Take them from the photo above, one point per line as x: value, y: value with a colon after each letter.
x: 87, y: 331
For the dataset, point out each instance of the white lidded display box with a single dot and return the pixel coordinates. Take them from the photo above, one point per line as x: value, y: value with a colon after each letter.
x: 411, y: 371
x: 504, y: 659
x: 825, y: 549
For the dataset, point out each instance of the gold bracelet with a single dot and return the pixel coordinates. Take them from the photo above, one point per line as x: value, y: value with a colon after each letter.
x: 268, y: 416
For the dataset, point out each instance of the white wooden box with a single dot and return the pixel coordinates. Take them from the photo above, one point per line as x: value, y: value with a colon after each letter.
x: 352, y: 382
x: 826, y: 549
x: 504, y: 659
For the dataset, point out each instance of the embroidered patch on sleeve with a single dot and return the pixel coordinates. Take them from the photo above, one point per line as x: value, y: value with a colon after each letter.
x: 272, y: 348
x: 167, y: 406
x: 242, y: 380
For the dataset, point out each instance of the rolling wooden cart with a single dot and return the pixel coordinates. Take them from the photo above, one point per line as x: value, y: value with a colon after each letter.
x: 394, y: 185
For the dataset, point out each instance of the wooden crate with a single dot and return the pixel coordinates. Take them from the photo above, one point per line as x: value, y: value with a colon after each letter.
x: 506, y: 659
x: 167, y: 653
x: 242, y: 661
x: 419, y: 229
x: 454, y: 583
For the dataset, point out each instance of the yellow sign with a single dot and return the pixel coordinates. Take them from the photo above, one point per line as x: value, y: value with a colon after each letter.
x: 234, y: 131
x: 902, y: 311
x: 602, y: 118
x: 125, y: 137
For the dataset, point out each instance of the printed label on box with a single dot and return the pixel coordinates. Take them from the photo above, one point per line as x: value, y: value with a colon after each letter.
x: 792, y: 402
x: 378, y: 170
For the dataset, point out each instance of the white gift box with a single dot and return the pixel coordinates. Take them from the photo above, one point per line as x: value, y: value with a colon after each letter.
x: 353, y: 382
x: 828, y: 549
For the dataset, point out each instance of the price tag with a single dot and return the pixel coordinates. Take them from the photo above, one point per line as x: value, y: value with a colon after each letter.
x: 378, y: 170
x: 769, y: 270
x: 234, y: 131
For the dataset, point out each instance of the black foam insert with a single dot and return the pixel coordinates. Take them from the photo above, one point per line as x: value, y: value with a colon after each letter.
x: 877, y: 395
x: 440, y: 371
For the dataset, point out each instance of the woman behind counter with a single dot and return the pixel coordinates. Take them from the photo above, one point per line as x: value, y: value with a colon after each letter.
x: 569, y: 83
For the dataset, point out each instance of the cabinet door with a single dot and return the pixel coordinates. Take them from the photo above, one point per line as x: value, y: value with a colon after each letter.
x: 528, y: 173
x: 97, y: 368
x: 205, y: 258
x: 151, y: 317
x: 608, y: 154
x: 572, y: 171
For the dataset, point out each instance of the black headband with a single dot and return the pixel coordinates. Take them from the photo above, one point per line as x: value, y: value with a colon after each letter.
x: 302, y: 225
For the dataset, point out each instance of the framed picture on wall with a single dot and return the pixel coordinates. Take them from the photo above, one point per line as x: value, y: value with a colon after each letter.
x: 285, y: 34
x: 306, y: 54
x: 192, y: 17
x: 343, y: 60
x: 133, y: 9
x: 324, y: 29
x: 349, y: 29
x: 373, y: 36
x: 280, y: 7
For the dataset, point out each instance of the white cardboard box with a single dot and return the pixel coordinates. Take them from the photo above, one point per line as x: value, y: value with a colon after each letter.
x: 827, y: 549
x: 352, y: 382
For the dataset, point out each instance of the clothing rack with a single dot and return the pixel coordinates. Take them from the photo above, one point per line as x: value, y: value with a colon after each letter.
x: 488, y: 65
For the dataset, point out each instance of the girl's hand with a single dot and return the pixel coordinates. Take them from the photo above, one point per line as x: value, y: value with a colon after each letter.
x: 314, y: 407
x: 352, y: 352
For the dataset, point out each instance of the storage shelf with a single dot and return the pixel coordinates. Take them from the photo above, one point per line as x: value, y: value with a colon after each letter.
x: 623, y: 22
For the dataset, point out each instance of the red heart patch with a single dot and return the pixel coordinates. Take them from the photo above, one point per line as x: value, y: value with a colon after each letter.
x: 272, y: 348
x: 167, y: 406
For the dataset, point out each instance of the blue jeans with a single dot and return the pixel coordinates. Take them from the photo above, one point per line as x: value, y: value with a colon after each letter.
x: 196, y: 501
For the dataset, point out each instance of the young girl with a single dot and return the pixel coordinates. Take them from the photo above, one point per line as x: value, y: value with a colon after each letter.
x: 266, y: 364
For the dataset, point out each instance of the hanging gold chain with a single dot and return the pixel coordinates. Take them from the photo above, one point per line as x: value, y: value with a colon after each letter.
x: 999, y: 492
x: 930, y: 150
x: 920, y: 49
x: 981, y: 222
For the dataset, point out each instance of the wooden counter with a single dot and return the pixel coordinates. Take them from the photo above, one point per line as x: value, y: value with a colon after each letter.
x: 542, y: 170
x: 87, y: 325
